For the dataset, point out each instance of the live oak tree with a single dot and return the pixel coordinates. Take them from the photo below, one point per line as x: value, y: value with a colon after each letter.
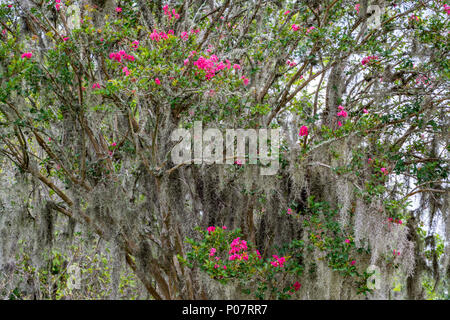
x: 91, y: 91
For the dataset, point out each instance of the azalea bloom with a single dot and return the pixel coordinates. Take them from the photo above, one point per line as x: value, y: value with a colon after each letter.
x: 211, y: 229
x: 184, y: 35
x: 212, y: 251
x: 125, y: 70
x: 186, y: 61
x: 365, y: 111
x: 310, y: 29
x: 297, y: 286
x: 135, y: 44
x: 347, y: 240
x: 383, y: 170
x: 57, y: 6
x: 295, y: 27
x: 287, y: 12
x: 27, y: 55
x: 113, y: 144
x: 216, y: 266
x: 303, y: 131
x: 289, y: 211
x: 353, y: 262
x: 118, y: 9
x: 339, y: 124
x: 236, y: 67
x: 157, y: 81
x: 357, y: 7
x: 224, y: 228
x: 96, y: 85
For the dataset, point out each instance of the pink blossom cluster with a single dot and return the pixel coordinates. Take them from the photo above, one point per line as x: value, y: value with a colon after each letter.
x: 279, y: 261
x: 238, y: 250
x: 303, y: 131
x: 396, y: 253
x: 96, y: 85
x: 211, y: 229
x: 357, y: 6
x: 291, y: 63
x: 184, y: 35
x: 119, y: 55
x: 170, y: 14
x: 310, y: 29
x: 368, y: 59
x: 135, y: 44
x: 156, y: 36
x: 447, y: 8
x: 27, y: 55
x: 342, y: 112
x: 57, y: 4
x: 423, y: 79
x: 289, y: 211
x: 398, y: 221
x: 414, y: 17
x: 295, y: 27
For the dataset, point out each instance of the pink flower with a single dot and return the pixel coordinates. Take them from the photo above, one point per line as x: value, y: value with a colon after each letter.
x: 236, y: 67
x: 65, y: 39
x: 303, y: 131
x: 400, y: 222
x: 297, y: 286
x: 353, y: 262
x: 370, y: 160
x: 118, y: 9
x: 258, y: 254
x: 27, y: 55
x: 96, y: 85
x: 347, y: 240
x: 125, y: 70
x: 289, y: 211
x: 212, y: 251
x: 224, y: 228
x: 57, y: 6
x: 135, y: 44
x: 384, y: 170
x: 245, y: 80
x: 295, y: 27
x: 287, y: 12
x: 310, y: 29
x: 339, y: 124
x: 225, y: 267
x: 186, y: 61
x: 211, y: 229
x: 357, y: 7
x: 216, y: 266
x: 157, y: 81
x: 365, y: 111
x: 114, y: 144
x: 184, y: 35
